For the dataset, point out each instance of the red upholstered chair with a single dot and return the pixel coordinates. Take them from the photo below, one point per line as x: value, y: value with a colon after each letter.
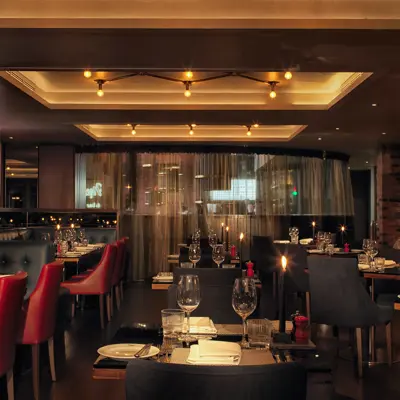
x: 12, y: 290
x: 98, y: 282
x: 38, y: 318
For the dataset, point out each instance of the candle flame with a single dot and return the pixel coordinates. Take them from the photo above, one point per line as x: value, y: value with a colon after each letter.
x: 227, y: 228
x: 222, y: 224
x: 241, y: 237
x: 58, y: 227
x: 284, y: 263
x: 342, y: 228
x: 72, y: 226
x: 313, y: 223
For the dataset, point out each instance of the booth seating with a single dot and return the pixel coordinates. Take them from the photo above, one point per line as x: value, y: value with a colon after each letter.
x: 101, y: 235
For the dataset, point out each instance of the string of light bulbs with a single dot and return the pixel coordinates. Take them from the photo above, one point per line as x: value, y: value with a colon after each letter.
x: 191, y: 127
x: 188, y: 81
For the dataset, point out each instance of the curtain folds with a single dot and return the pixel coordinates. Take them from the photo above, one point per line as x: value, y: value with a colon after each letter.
x: 163, y: 197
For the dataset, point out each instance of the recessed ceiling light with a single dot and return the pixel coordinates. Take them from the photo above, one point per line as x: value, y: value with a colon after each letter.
x: 337, y: 129
x: 11, y: 138
x: 374, y: 104
x: 366, y: 162
x: 383, y: 133
x: 320, y: 138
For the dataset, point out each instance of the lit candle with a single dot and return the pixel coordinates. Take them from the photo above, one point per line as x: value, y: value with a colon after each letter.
x: 282, y: 317
x: 342, y: 230
x: 58, y: 227
x: 227, y: 238
x: 72, y: 226
x: 313, y: 229
x: 222, y: 232
x: 241, y: 237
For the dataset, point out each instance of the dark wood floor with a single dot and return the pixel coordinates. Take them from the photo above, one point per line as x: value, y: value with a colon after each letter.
x: 141, y: 304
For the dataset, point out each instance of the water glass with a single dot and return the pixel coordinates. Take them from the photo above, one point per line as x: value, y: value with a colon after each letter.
x: 363, y: 259
x: 330, y: 249
x: 380, y: 264
x: 294, y: 235
x: 186, y: 264
x: 259, y: 332
x: 172, y: 322
x: 64, y: 247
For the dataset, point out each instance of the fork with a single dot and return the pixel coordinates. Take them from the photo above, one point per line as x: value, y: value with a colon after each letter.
x: 143, y: 351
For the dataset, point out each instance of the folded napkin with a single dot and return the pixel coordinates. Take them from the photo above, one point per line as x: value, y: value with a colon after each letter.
x: 282, y: 241
x: 314, y: 251
x: 209, y: 352
x: 306, y: 241
x: 390, y: 263
x: 363, y: 266
x: 202, y: 325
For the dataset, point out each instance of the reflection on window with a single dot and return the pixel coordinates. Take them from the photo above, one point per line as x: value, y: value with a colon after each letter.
x: 241, y: 189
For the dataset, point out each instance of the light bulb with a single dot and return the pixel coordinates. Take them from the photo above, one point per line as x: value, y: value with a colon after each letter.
x: 189, y: 74
x: 188, y: 93
x: 87, y: 73
x: 191, y: 132
x: 133, y: 131
x: 249, y: 132
x: 272, y: 94
x: 194, y: 125
x: 256, y: 126
x: 8, y: 168
x: 288, y: 75
x: 100, y: 93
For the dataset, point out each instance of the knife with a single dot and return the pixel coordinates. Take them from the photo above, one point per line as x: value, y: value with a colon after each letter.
x: 143, y: 351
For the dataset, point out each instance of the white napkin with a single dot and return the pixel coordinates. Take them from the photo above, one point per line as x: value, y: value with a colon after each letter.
x: 363, y: 266
x: 306, y: 241
x: 282, y: 241
x: 389, y: 262
x: 202, y: 325
x: 209, y: 352
x: 314, y: 251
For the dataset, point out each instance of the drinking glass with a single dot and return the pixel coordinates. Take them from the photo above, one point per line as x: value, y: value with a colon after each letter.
x: 218, y: 254
x: 57, y: 237
x: 320, y: 240
x: 366, y: 246
x: 212, y: 239
x: 64, y: 247
x: 294, y: 234
x: 380, y: 264
x: 330, y: 249
x: 373, y: 246
x: 244, y: 302
x: 194, y: 254
x: 196, y: 237
x: 188, y: 298
x: 81, y: 235
x: 46, y: 237
x: 172, y: 322
x: 259, y: 332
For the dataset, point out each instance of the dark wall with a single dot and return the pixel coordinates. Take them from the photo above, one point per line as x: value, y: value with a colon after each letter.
x: 56, y: 177
x: 361, y: 183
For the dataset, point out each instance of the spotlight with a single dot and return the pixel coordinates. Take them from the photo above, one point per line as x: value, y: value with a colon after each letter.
x: 256, y: 126
x: 100, y: 83
x: 8, y: 168
x: 288, y: 75
x: 191, y: 132
x: 87, y: 73
x: 248, y: 131
x: 189, y: 74
x: 272, y: 93
x: 187, y: 93
x: 133, y: 131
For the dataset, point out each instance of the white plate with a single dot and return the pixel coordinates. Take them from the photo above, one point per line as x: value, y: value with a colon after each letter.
x: 356, y: 251
x: 125, y: 351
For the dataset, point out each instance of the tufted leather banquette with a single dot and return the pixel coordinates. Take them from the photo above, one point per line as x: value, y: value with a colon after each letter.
x: 101, y: 235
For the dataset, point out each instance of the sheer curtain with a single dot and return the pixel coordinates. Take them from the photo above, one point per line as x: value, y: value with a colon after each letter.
x: 163, y: 197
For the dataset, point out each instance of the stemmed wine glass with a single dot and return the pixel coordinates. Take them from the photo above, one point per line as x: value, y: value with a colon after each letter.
x: 196, y: 236
x: 212, y: 239
x: 194, y: 254
x: 81, y: 235
x: 188, y: 298
x: 244, y: 302
x: 366, y: 246
x: 218, y: 254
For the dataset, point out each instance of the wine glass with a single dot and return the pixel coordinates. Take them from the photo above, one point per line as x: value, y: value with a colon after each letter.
x: 194, y: 254
x: 196, y: 236
x: 218, y: 254
x: 212, y: 239
x: 373, y: 249
x: 81, y: 235
x: 188, y: 298
x: 366, y: 246
x: 244, y: 302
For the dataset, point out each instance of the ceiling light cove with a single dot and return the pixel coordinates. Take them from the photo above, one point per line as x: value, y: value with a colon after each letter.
x: 185, y: 90
x: 202, y: 133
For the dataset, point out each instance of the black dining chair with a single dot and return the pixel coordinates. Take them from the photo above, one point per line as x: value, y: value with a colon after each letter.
x: 216, y: 303
x: 151, y: 380
x: 296, y: 278
x: 209, y: 276
x: 339, y: 298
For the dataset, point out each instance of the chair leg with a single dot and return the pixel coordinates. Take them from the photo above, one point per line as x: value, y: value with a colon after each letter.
x: 308, y: 307
x: 121, y: 290
x: 108, y: 302
x: 117, y: 296
x: 10, y: 384
x: 73, y: 307
x: 101, y: 303
x: 35, y: 370
x: 359, y: 352
x: 389, y: 342
x: 50, y: 343
x: 372, y: 343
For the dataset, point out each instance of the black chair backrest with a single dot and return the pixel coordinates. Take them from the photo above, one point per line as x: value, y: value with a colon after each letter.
x: 264, y: 254
x: 216, y: 303
x: 338, y: 296
x: 296, y: 279
x: 210, y: 276
x: 389, y: 253
x: 151, y: 380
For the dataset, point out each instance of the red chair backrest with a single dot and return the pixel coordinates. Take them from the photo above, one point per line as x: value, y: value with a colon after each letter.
x: 12, y: 290
x: 118, y: 265
x: 40, y: 311
x: 100, y: 279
